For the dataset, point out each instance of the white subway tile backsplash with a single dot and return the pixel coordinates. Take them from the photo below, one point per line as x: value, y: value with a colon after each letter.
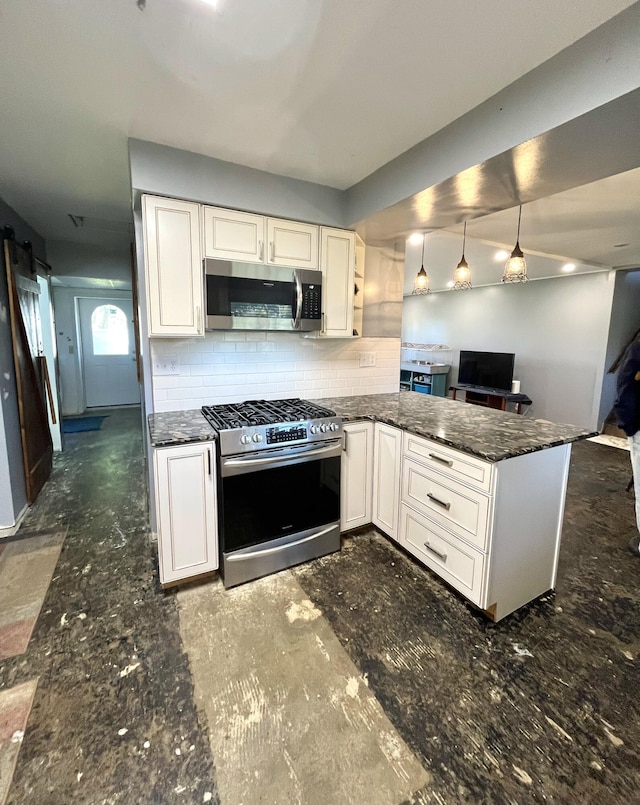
x: 232, y: 366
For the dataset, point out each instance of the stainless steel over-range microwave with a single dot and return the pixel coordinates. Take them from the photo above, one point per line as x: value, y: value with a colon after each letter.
x: 254, y: 296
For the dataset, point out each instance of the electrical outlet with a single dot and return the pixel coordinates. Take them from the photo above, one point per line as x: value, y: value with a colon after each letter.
x: 367, y: 359
x: 166, y: 366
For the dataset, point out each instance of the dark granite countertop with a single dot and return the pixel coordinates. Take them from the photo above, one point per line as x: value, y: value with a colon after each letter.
x: 483, y: 432
x: 179, y: 427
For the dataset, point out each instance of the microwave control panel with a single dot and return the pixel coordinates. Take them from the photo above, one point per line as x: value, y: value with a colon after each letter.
x: 311, y: 296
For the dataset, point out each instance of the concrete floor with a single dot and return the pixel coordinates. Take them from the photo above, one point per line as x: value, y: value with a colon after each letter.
x: 356, y: 678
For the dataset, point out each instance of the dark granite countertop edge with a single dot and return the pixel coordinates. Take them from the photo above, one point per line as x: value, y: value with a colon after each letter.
x: 465, y: 448
x: 168, y: 434
x: 172, y: 441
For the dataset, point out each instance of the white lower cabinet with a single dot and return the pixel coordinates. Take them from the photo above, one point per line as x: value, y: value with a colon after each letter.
x: 456, y: 507
x: 451, y: 558
x: 492, y: 531
x: 356, y: 477
x: 186, y: 510
x: 387, y: 453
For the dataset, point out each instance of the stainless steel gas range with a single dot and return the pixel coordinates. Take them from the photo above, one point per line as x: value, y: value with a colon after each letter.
x: 278, y: 485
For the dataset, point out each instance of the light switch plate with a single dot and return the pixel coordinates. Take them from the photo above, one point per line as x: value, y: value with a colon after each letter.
x: 367, y: 359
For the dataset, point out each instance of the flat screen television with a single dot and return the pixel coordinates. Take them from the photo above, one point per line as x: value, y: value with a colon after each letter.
x: 493, y: 370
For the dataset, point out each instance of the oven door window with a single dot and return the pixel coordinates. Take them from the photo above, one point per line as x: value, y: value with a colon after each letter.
x: 272, y: 503
x: 250, y: 298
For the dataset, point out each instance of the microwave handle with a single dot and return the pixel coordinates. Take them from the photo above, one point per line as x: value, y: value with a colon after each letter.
x: 298, y: 302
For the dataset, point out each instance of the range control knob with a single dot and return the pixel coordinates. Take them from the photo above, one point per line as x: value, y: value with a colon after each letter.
x: 315, y: 429
x: 324, y: 428
x: 334, y: 426
x: 257, y: 437
x: 245, y: 439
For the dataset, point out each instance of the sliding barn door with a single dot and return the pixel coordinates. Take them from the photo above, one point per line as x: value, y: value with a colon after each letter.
x: 30, y: 366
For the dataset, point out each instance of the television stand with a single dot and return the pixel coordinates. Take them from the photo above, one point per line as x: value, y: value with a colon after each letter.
x: 491, y: 398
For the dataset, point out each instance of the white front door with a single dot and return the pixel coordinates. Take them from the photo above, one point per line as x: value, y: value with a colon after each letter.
x: 108, y: 352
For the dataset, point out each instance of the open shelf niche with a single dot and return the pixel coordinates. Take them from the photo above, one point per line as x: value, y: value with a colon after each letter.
x: 424, y: 368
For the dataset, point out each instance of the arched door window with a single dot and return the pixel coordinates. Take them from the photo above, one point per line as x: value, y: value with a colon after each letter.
x: 109, y: 331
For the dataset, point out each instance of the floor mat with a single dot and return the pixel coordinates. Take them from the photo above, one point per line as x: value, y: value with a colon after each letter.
x: 81, y: 424
x: 26, y: 567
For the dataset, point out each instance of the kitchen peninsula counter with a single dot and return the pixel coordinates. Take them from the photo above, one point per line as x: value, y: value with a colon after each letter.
x: 474, y: 494
x: 489, y: 434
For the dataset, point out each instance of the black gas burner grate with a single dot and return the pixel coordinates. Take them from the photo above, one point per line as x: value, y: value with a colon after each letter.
x: 262, y: 412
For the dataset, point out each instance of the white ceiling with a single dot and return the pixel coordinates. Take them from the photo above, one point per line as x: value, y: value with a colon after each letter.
x: 324, y: 90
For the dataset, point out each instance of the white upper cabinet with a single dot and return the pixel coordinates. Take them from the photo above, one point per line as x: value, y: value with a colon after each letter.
x: 173, y: 267
x: 231, y: 235
x: 337, y: 261
x: 292, y: 244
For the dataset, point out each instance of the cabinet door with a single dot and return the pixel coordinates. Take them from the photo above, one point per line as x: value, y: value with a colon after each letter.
x: 356, y: 475
x: 173, y: 266
x: 337, y: 262
x: 186, y: 510
x: 232, y: 235
x: 292, y: 244
x: 386, y: 478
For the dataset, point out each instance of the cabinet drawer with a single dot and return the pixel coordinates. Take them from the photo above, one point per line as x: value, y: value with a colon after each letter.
x: 462, y: 467
x: 454, y: 561
x: 460, y: 509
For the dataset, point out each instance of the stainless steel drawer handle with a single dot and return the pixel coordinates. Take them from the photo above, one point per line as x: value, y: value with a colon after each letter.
x: 439, y: 554
x: 444, y: 505
x: 440, y: 459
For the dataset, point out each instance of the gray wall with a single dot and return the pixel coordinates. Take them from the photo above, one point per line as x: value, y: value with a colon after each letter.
x: 181, y: 174
x: 106, y: 261
x: 557, y: 328
x: 9, y: 217
x: 625, y: 322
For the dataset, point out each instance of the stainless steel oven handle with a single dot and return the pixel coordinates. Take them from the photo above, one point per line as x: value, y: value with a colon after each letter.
x: 298, y: 316
x: 239, y: 557
x: 335, y: 447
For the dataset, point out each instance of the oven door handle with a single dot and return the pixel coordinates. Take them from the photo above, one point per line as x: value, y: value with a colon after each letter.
x: 247, y: 463
x: 241, y: 555
x: 298, y: 314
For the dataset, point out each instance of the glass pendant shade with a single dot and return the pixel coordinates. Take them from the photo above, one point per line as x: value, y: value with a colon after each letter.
x: 462, y: 274
x: 515, y: 269
x: 421, y: 282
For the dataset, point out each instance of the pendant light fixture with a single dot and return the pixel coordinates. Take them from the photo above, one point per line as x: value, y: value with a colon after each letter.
x: 421, y: 282
x: 515, y: 269
x: 462, y: 274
